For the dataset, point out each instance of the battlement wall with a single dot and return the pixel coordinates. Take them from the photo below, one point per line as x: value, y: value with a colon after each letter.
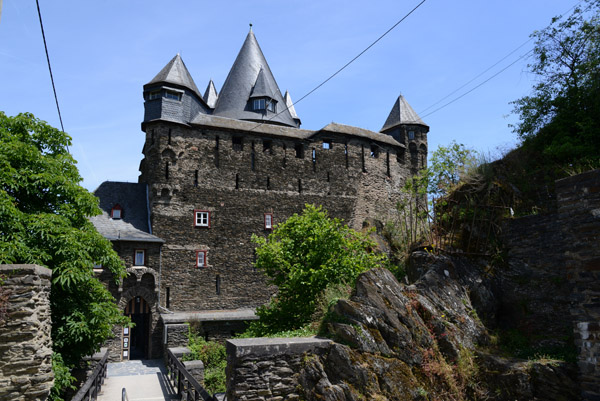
x: 239, y: 176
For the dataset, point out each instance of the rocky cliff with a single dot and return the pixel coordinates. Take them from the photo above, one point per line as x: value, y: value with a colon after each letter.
x: 425, y: 342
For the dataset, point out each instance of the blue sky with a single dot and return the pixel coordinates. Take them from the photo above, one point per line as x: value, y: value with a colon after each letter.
x: 103, y: 52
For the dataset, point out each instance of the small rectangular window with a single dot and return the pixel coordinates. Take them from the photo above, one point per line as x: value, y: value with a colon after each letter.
x: 272, y: 106
x: 259, y: 104
x: 326, y: 144
x: 115, y: 212
x: 140, y: 257
x: 237, y: 143
x: 266, y: 145
x: 299, y: 150
x: 201, y: 218
x: 374, y: 151
x: 411, y: 134
x: 268, y: 221
x: 154, y: 95
x: 173, y: 95
x: 201, y: 259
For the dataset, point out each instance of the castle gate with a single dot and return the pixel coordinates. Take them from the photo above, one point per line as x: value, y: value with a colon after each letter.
x: 136, y: 340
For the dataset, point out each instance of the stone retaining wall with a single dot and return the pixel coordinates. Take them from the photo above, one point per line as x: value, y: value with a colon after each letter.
x: 579, y: 214
x: 25, y: 326
x: 261, y: 369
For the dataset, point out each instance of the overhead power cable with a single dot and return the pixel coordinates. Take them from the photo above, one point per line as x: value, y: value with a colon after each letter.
x: 345, y: 65
x: 482, y: 73
x: 481, y: 84
x: 473, y: 79
x: 49, y: 67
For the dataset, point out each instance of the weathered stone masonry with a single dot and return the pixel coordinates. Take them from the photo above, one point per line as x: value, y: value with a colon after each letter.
x: 261, y: 369
x: 25, y: 342
x: 239, y: 176
x: 579, y: 213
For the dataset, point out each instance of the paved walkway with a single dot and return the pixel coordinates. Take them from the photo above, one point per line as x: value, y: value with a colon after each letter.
x: 144, y: 380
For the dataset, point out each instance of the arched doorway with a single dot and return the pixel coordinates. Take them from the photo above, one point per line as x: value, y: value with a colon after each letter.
x: 136, y: 340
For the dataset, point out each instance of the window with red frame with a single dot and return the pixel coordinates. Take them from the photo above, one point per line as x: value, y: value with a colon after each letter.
x: 201, y: 259
x: 268, y: 221
x: 116, y: 212
x: 202, y: 218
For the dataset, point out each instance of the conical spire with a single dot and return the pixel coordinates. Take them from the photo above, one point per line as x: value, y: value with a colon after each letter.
x: 243, y: 78
x: 402, y: 113
x: 290, y: 105
x: 210, y: 95
x: 263, y: 86
x: 175, y: 72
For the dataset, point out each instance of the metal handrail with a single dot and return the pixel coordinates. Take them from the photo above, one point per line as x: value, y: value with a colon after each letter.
x: 124, y: 396
x: 92, y: 386
x: 179, y: 375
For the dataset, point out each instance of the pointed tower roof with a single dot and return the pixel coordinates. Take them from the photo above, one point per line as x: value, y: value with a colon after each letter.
x: 264, y: 86
x: 210, y: 95
x: 290, y: 106
x: 243, y: 82
x: 175, y: 72
x: 402, y: 113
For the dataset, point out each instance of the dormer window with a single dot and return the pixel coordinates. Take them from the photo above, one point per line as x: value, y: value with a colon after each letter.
x: 259, y: 104
x: 154, y: 95
x: 173, y: 95
x: 116, y: 212
x: 264, y: 104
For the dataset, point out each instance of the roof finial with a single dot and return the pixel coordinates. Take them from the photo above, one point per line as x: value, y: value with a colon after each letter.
x: 251, y: 27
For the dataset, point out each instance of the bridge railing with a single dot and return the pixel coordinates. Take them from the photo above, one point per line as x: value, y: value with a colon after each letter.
x: 91, y: 388
x: 187, y: 386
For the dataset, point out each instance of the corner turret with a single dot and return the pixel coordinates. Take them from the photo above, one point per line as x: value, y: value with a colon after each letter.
x: 405, y: 126
x: 172, y: 95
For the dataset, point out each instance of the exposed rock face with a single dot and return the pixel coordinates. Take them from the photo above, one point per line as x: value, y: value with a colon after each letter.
x: 418, y: 342
x: 25, y: 342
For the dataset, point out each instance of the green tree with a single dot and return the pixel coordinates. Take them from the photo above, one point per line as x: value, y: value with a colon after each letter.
x: 448, y: 164
x: 44, y: 220
x: 561, y: 117
x: 303, y: 256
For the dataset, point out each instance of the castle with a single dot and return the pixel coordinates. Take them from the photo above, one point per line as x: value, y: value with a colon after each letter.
x: 219, y: 167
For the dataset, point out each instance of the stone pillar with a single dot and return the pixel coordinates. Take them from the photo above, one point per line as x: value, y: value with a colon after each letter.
x: 579, y: 215
x: 196, y: 369
x: 267, y: 368
x: 25, y: 329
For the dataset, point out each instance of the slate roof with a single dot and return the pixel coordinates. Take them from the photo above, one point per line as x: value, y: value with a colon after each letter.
x: 237, y: 89
x: 290, y: 105
x: 134, y: 224
x: 360, y: 132
x: 206, y: 120
x: 175, y: 72
x: 402, y: 113
x: 210, y: 95
x: 289, y: 132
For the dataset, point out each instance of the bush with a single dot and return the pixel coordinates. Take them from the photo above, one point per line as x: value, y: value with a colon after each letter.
x: 214, y: 357
x: 303, y: 256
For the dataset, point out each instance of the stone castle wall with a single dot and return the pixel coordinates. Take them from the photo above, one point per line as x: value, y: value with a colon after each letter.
x: 551, y: 288
x: 25, y: 329
x: 534, y: 286
x: 238, y: 177
x: 579, y: 214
